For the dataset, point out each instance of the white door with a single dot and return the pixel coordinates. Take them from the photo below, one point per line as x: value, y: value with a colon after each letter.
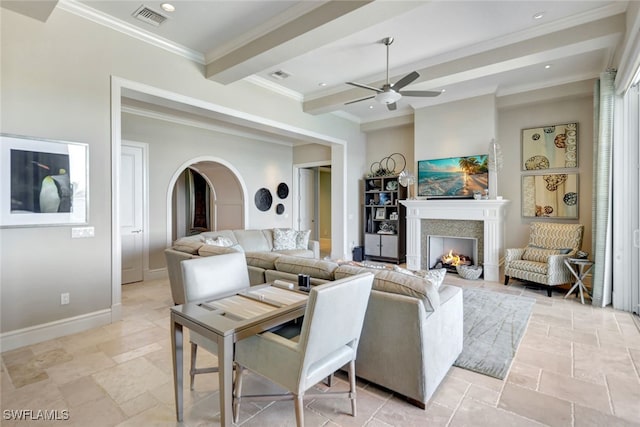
x: 307, y: 198
x: 131, y: 213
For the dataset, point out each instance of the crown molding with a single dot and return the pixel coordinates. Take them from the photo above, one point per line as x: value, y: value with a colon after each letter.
x: 274, y: 87
x: 86, y: 12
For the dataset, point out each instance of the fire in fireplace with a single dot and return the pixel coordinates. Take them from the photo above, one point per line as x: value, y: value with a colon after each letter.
x: 451, y: 259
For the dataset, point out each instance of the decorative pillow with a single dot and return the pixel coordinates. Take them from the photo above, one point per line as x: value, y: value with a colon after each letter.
x: 284, y: 238
x: 302, y: 239
x: 435, y: 276
x: 539, y: 254
x: 222, y: 241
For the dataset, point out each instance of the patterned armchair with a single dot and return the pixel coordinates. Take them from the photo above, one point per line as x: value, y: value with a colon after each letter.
x: 542, y: 260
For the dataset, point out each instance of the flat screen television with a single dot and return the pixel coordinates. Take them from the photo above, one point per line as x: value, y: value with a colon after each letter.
x: 453, y: 177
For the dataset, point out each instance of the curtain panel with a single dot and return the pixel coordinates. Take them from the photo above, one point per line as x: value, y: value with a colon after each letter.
x: 604, y: 102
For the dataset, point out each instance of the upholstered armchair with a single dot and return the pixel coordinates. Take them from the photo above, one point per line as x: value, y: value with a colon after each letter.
x: 542, y: 260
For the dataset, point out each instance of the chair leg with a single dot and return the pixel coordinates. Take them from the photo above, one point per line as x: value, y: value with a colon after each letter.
x: 352, y: 386
x: 329, y: 381
x: 297, y: 399
x: 549, y: 291
x: 506, y: 280
x: 192, y: 369
x: 237, y: 393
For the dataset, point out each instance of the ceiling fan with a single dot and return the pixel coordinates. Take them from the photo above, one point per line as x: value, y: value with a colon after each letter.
x: 389, y: 93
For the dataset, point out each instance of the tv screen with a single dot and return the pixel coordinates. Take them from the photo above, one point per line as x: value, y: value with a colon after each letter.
x: 453, y: 177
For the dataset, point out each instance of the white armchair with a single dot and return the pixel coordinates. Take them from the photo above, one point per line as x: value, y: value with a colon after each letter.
x: 542, y: 260
x: 328, y: 340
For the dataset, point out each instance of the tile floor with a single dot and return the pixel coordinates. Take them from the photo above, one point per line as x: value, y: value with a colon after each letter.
x: 576, y: 366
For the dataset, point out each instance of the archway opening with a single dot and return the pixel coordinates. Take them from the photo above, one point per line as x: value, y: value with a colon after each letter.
x: 206, y: 196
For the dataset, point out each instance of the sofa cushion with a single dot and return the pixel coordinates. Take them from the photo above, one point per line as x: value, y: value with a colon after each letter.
x: 304, y: 253
x: 224, y: 234
x: 284, y: 239
x: 435, y: 275
x: 397, y: 283
x: 190, y: 244
x: 212, y: 250
x: 264, y: 260
x: 532, y: 253
x: 252, y: 240
x: 321, y: 269
x: 530, y: 266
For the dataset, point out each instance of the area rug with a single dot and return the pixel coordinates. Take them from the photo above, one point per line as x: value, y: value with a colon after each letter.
x: 493, y: 327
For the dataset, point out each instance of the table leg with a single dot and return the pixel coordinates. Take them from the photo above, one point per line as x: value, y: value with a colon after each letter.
x: 225, y: 368
x: 177, y: 349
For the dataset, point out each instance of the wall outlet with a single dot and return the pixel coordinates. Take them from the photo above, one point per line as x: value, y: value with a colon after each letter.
x: 64, y: 298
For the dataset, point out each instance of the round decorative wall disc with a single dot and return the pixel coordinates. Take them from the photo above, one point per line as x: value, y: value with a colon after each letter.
x: 263, y: 199
x: 283, y: 190
x: 279, y: 208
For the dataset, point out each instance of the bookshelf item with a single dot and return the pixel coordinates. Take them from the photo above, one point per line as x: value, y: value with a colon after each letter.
x: 384, y: 220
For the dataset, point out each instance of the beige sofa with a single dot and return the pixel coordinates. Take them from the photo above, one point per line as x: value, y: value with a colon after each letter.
x: 412, y: 332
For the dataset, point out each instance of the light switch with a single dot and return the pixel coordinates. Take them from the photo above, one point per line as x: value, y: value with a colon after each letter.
x: 82, y: 232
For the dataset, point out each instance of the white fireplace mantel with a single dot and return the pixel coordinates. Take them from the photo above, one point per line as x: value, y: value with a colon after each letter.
x: 491, y: 212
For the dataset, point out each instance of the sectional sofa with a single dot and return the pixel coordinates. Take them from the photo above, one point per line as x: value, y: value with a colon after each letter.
x: 412, y: 332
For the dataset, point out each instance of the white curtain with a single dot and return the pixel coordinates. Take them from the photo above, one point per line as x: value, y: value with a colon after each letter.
x: 604, y: 102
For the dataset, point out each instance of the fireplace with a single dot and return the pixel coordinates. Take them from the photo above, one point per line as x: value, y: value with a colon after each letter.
x: 447, y: 252
x: 481, y: 219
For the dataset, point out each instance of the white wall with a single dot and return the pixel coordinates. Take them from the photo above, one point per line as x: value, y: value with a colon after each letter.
x: 384, y: 142
x: 56, y: 84
x: 460, y: 128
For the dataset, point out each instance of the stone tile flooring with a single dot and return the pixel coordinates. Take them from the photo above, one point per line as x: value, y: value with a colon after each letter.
x: 576, y: 366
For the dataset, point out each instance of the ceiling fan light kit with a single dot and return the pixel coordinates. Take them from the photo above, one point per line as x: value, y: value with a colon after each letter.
x: 389, y: 93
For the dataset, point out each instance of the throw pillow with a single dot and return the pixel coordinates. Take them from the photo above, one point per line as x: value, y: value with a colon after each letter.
x: 222, y: 241
x: 538, y: 254
x: 284, y: 239
x: 302, y: 239
x: 435, y: 276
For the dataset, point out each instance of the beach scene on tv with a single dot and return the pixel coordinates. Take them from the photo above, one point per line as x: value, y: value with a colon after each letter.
x: 454, y: 177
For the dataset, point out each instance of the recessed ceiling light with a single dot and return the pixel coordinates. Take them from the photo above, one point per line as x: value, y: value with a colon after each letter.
x: 371, y: 107
x: 546, y: 67
x: 443, y: 91
x: 538, y: 15
x: 322, y: 84
x: 168, y: 7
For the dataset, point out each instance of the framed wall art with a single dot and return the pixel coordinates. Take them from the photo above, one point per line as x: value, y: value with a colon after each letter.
x: 43, y: 182
x: 551, y: 195
x: 550, y: 147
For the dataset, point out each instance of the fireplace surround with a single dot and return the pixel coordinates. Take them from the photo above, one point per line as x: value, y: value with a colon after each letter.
x: 490, y: 214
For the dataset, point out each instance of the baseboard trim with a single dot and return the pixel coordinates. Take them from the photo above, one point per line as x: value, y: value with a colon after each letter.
x: 156, y: 274
x: 56, y: 329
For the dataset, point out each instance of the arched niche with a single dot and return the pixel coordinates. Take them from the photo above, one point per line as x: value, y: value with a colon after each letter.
x: 205, y: 195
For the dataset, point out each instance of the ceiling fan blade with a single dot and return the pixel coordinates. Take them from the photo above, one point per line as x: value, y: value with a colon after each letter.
x: 361, y: 99
x: 364, y: 86
x: 392, y: 106
x: 408, y: 79
x: 428, y: 93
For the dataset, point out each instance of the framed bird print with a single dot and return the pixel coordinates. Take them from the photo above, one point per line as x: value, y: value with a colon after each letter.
x: 43, y: 182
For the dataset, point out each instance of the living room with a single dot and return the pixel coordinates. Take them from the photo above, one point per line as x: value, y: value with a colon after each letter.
x: 67, y: 78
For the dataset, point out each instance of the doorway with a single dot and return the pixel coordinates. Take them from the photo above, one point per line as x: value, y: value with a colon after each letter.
x: 314, y: 207
x: 206, y: 196
x: 133, y: 211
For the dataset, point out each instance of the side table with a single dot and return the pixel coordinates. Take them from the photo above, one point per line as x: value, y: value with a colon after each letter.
x: 579, y: 267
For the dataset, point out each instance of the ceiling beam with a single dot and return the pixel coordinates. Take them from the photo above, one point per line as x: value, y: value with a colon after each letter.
x: 36, y: 9
x: 327, y: 23
x: 587, y: 37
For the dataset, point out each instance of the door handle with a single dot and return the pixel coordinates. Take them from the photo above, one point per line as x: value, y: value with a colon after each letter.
x: 136, y: 232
